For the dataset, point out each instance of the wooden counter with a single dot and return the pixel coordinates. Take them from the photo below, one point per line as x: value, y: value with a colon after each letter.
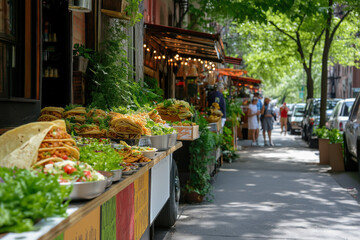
x: 53, y: 227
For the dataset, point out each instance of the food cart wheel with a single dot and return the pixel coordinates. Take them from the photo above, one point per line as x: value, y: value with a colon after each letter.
x: 168, y: 215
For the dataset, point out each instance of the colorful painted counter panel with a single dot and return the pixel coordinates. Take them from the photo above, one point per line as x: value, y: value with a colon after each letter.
x: 121, y: 212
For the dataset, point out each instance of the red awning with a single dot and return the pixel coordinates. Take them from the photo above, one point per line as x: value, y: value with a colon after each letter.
x: 246, y: 79
x: 184, y: 42
x: 231, y: 72
x: 232, y: 60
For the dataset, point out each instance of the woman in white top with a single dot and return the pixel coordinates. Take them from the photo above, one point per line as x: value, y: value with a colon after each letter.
x: 253, y: 122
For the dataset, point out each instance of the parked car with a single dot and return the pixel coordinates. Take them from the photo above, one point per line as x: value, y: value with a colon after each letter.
x: 297, y: 115
x: 311, y: 118
x: 352, y: 138
x: 291, y: 108
x: 340, y: 115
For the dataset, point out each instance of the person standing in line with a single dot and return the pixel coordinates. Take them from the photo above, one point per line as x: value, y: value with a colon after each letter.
x: 218, y: 97
x: 267, y: 114
x: 283, y: 117
x: 253, y: 122
x: 259, y: 106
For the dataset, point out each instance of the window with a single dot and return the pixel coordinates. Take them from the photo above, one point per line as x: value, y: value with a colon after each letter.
x: 17, y: 68
x: 7, y: 43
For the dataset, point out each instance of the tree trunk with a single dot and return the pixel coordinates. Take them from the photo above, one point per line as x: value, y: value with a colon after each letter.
x: 324, y: 68
x: 309, y: 83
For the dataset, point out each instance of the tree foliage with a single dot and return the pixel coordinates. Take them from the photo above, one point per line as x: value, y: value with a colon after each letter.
x: 306, y: 31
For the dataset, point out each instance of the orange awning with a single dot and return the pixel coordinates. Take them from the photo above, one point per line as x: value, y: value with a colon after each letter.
x: 231, y: 72
x: 246, y: 79
x: 232, y: 60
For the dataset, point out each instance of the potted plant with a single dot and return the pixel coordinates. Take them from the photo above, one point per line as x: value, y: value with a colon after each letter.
x: 81, y: 56
x: 323, y: 136
x: 198, y: 185
x: 336, y: 157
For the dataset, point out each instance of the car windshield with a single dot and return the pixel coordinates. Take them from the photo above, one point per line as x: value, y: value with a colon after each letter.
x: 298, y: 113
x: 347, y: 109
x: 329, y: 106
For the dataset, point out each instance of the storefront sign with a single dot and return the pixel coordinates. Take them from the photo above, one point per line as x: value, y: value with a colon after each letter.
x: 125, y: 214
x: 141, y: 205
x: 108, y: 219
x: 88, y: 228
x: 160, y: 187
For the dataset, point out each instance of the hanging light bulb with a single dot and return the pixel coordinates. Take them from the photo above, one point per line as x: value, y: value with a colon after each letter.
x: 199, y: 59
x: 186, y: 63
x: 206, y: 65
x: 180, y: 58
x: 210, y: 71
x: 213, y: 69
x: 155, y: 57
x: 163, y: 57
x: 148, y: 49
x: 154, y: 51
x: 144, y: 45
x: 202, y: 62
x: 171, y: 59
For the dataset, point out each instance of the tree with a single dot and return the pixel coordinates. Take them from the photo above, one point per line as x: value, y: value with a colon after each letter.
x: 306, y: 23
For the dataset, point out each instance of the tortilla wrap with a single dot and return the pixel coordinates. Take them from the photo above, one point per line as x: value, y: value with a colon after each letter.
x: 19, y: 146
x: 47, y: 118
x: 72, y: 152
x: 45, y: 161
x: 51, y: 143
x: 55, y: 111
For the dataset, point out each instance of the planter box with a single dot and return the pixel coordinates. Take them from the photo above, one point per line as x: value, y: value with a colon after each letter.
x: 187, y: 132
x: 324, y: 151
x: 336, y: 157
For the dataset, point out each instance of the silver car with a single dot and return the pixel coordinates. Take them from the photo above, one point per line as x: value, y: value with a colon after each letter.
x: 340, y: 114
x: 296, y: 117
x: 352, y: 138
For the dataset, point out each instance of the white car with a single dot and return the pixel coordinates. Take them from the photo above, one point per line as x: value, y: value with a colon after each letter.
x: 296, y: 117
x: 340, y: 114
x: 352, y: 138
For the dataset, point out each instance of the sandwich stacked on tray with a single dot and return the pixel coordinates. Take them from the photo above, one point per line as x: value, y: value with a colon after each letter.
x: 51, y: 114
x: 174, y: 110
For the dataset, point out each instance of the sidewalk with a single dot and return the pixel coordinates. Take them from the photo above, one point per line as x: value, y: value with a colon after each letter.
x: 273, y: 193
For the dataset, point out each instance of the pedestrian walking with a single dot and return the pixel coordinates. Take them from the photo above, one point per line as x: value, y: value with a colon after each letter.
x: 253, y: 122
x: 267, y: 115
x: 283, y: 117
x: 259, y: 106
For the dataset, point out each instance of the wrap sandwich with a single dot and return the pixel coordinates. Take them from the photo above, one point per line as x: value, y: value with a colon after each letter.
x: 92, y: 131
x: 21, y: 146
x: 77, y: 114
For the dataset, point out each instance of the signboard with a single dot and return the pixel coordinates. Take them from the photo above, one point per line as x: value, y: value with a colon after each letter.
x: 125, y: 213
x: 141, y: 205
x: 160, y: 186
x: 108, y: 219
x: 88, y: 228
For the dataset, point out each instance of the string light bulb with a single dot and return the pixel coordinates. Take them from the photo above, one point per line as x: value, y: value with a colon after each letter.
x: 154, y: 51
x: 163, y: 56
x: 144, y: 45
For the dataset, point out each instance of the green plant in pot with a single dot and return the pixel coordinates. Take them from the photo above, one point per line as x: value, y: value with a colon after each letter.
x: 323, y: 136
x: 81, y: 57
x: 201, y: 155
x: 336, y: 150
x: 322, y: 133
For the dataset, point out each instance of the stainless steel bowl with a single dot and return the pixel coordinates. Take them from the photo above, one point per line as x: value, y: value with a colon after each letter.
x: 117, y: 175
x: 87, y: 190
x: 172, y: 140
x: 160, y: 142
x: 129, y: 172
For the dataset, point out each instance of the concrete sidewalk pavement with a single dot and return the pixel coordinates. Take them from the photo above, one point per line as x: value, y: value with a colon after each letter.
x: 275, y: 192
